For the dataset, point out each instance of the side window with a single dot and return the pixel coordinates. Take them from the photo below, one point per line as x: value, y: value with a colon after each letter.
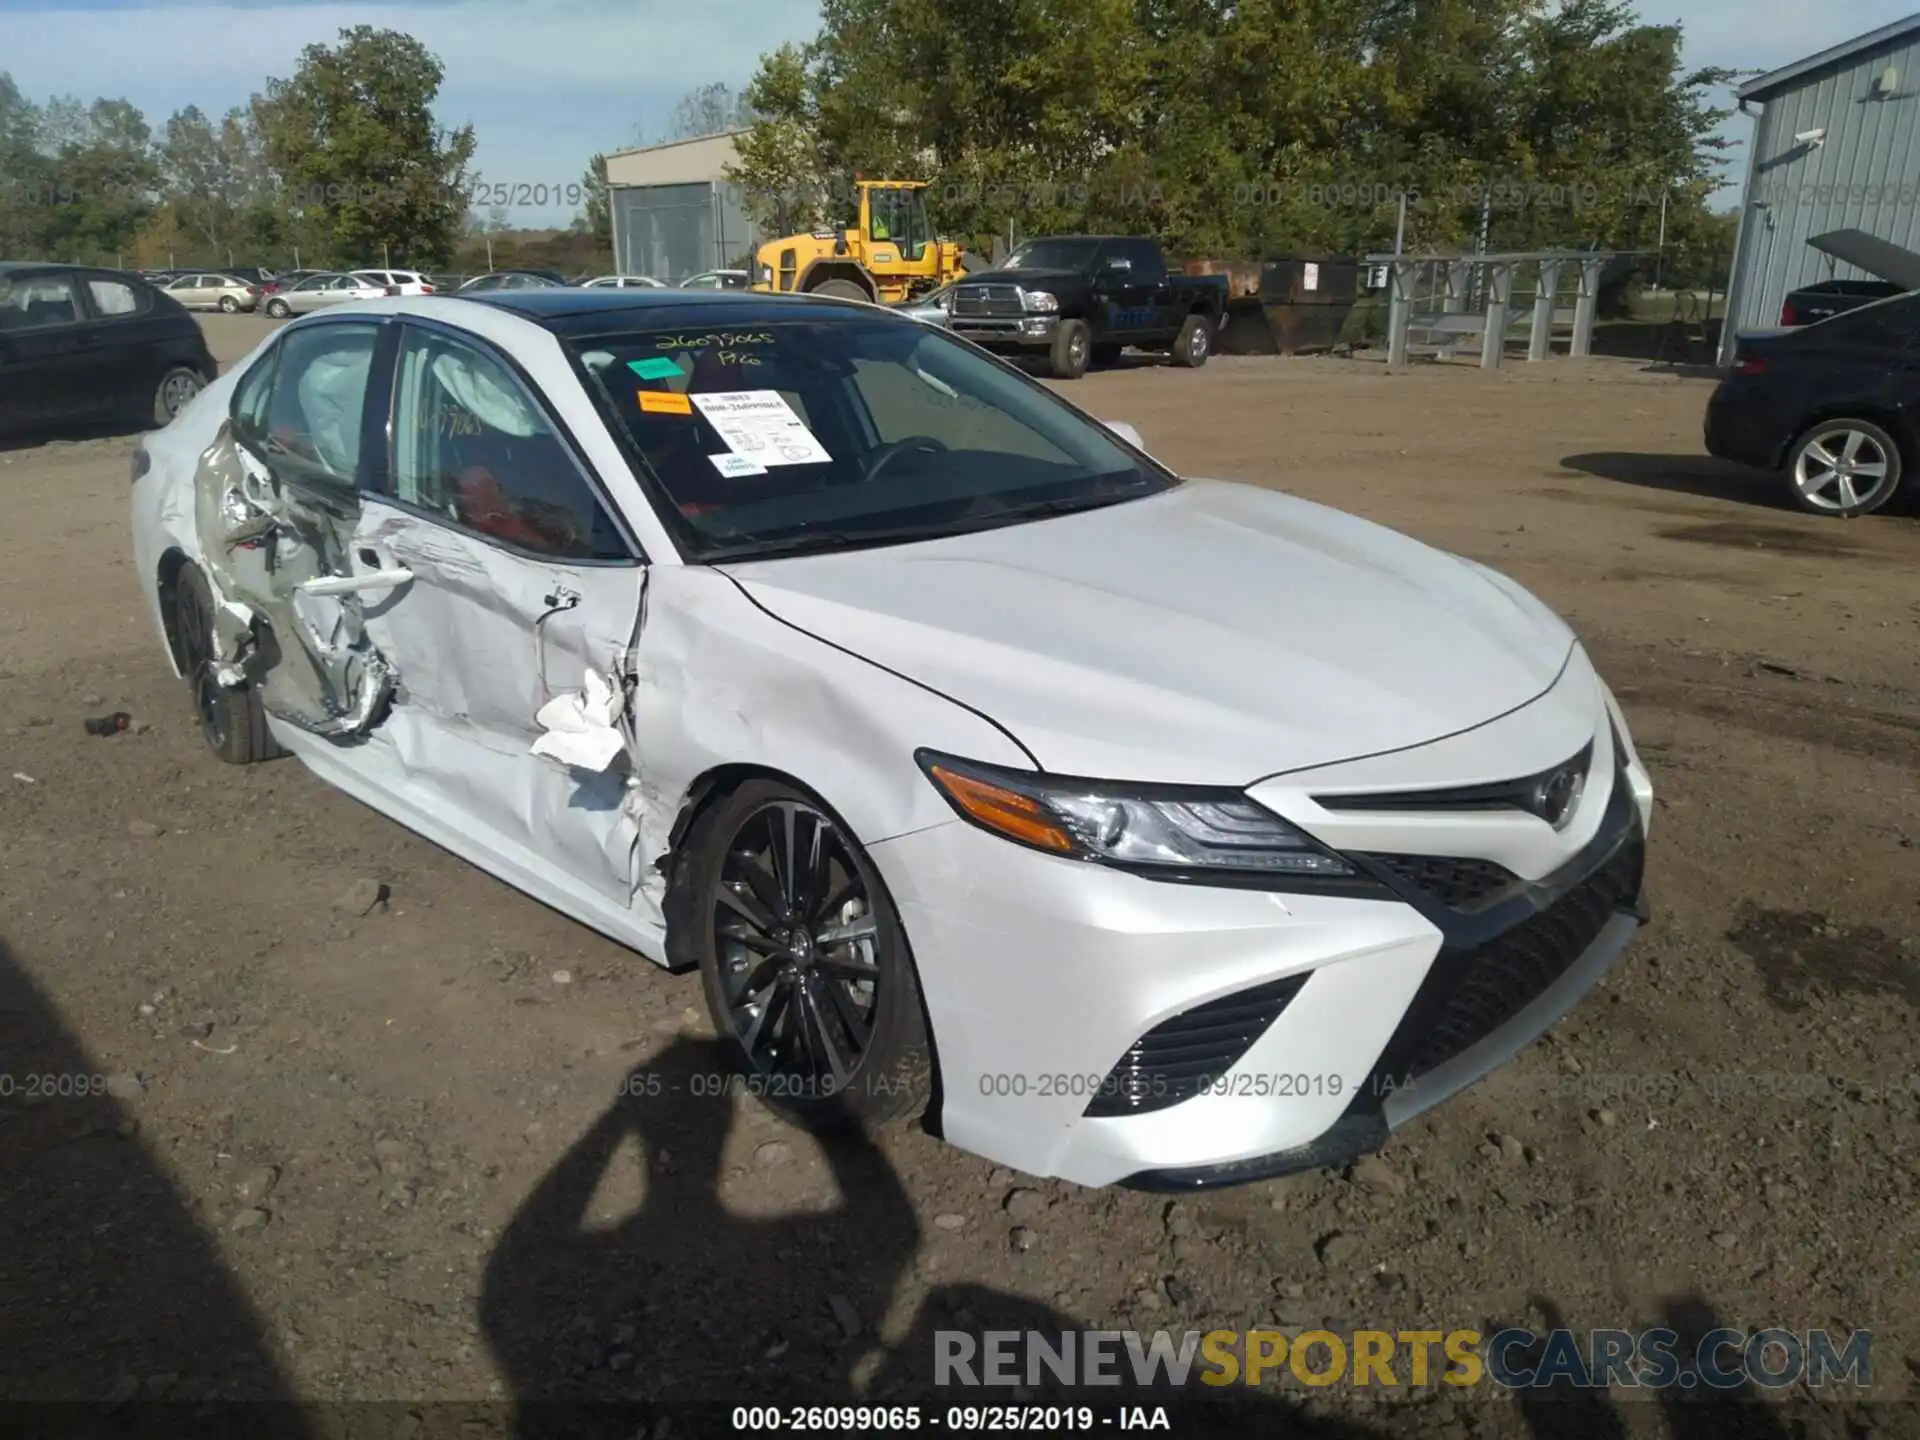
x: 250, y: 397
x: 471, y: 444
x: 1149, y: 268
x: 319, y: 397
x: 38, y: 303
x: 115, y: 297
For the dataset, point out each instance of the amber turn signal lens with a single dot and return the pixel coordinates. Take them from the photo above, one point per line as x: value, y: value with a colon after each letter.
x: 1012, y: 814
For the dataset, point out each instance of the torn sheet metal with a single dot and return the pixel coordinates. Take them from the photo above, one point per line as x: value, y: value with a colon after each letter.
x: 263, y: 542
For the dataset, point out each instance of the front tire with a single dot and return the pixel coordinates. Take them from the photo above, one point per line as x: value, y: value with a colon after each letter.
x: 1194, y: 342
x: 1829, y: 463
x: 803, y: 960
x: 278, y: 309
x: 232, y: 722
x: 1072, y: 349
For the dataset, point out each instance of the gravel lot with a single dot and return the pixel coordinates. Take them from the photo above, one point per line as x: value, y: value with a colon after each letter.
x: 362, y: 1140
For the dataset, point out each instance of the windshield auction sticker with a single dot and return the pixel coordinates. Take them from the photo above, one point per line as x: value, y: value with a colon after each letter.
x: 761, y: 425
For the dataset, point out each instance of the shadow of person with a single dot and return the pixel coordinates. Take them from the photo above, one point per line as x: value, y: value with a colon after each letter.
x: 681, y: 1300
x: 110, y: 1291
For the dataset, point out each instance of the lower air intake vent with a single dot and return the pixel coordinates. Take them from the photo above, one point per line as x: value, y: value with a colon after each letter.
x: 1468, y: 994
x: 1179, y: 1058
x: 1458, y: 883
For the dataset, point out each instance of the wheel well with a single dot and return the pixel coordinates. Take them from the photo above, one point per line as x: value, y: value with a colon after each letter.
x: 821, y: 271
x: 171, y: 564
x: 683, y: 957
x: 1890, y: 421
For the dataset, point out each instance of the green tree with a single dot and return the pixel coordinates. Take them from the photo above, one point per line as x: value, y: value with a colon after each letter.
x: 104, y: 179
x: 23, y: 175
x: 353, y: 139
x: 595, y: 217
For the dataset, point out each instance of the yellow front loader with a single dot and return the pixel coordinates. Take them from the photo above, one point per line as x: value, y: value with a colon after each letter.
x: 888, y: 255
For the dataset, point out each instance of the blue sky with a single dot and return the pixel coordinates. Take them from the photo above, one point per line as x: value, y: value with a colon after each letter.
x: 546, y: 84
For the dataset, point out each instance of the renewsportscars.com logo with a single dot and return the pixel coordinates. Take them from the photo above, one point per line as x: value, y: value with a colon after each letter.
x: 1511, y: 1359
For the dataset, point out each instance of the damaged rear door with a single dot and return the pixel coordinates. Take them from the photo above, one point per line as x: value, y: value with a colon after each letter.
x: 500, y: 587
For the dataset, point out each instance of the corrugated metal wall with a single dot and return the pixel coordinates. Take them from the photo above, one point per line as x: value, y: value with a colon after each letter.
x: 1866, y: 176
x: 671, y: 232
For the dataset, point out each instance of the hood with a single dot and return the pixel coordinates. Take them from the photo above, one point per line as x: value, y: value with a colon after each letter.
x: 1881, y: 259
x: 1023, y: 277
x: 1213, y: 634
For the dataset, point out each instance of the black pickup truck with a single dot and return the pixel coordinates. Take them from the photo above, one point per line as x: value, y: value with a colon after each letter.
x: 1897, y: 270
x: 1081, y: 299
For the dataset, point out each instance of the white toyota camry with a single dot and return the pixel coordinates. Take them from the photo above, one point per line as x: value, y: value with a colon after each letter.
x: 1128, y: 828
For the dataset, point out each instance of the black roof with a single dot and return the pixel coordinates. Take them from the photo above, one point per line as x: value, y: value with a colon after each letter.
x: 574, y: 311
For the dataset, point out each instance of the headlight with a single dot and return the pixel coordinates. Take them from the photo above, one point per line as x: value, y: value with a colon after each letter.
x: 1040, y: 300
x: 1162, y: 831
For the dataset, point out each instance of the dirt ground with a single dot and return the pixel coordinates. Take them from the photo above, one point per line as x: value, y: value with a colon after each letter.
x: 379, y: 1156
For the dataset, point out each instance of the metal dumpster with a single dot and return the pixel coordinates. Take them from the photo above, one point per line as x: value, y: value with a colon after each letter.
x: 1284, y: 306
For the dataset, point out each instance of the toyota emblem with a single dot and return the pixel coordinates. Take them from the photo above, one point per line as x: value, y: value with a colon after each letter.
x: 1556, y: 797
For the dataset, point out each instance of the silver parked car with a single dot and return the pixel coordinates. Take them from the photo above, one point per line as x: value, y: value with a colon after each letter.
x: 717, y: 280
x: 933, y: 308
x: 317, y: 292
x: 623, y: 282
x: 215, y: 291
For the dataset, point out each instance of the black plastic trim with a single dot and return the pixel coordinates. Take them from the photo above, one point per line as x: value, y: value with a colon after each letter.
x: 1496, y: 795
x: 1180, y: 1057
x: 1348, y: 1138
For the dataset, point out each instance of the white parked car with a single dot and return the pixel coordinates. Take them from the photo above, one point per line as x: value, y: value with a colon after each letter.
x: 401, y: 282
x: 1185, y: 832
x: 623, y: 282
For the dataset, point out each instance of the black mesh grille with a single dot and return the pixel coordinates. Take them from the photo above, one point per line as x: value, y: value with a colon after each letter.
x: 999, y: 300
x: 1458, y: 883
x: 1471, y: 993
x: 1178, y: 1058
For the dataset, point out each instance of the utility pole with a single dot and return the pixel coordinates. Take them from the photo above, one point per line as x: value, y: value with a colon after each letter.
x: 1660, y: 245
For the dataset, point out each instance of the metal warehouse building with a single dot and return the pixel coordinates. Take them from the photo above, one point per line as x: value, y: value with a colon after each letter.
x: 1836, y: 146
x: 674, y: 213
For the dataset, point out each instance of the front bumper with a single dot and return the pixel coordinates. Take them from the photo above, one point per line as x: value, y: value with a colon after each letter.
x: 1022, y: 332
x: 1046, y: 978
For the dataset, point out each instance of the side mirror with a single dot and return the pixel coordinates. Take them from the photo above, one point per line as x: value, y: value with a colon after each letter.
x: 1126, y: 432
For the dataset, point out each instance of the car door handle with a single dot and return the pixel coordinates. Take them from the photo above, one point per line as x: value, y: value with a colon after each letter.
x: 374, y: 583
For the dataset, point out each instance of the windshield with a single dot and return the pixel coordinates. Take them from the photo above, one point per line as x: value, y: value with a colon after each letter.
x: 1054, y: 255
x: 799, y: 436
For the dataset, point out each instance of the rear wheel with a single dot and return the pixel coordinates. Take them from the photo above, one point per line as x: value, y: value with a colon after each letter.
x: 1195, y: 341
x: 228, y: 305
x: 232, y: 721
x: 840, y: 290
x: 1845, y: 468
x: 176, y: 388
x: 803, y: 960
